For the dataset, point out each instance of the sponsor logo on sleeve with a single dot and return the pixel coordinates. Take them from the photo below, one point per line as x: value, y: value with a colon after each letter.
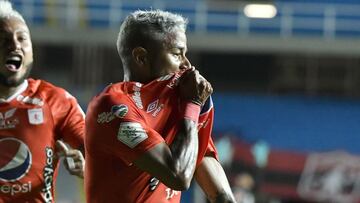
x: 105, y: 117
x: 35, y: 116
x: 120, y: 111
x: 131, y: 134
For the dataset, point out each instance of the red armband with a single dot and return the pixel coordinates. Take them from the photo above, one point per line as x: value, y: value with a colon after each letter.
x: 191, y: 111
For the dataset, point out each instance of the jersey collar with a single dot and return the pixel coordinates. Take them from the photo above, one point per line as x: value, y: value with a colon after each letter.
x: 21, y: 89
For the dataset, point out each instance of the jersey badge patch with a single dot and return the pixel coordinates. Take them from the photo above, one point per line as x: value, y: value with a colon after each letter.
x: 131, y: 134
x: 36, y: 116
x: 120, y: 111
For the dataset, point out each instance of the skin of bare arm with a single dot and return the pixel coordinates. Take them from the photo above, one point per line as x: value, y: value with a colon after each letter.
x: 174, y: 165
x: 212, y: 179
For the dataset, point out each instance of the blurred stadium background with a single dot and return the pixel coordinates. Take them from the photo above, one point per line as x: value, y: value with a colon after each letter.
x: 287, y: 85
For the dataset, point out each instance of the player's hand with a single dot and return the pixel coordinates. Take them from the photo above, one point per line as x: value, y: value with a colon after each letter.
x: 194, y: 87
x: 73, y: 159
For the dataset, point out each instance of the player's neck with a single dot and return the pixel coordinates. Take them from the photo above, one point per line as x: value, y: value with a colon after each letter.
x: 136, y: 78
x: 7, y: 92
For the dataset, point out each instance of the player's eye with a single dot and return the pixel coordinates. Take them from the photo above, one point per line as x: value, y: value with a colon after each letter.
x: 22, y: 38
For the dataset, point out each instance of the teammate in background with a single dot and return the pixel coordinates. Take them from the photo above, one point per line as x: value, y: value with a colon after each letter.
x: 148, y: 136
x: 34, y: 117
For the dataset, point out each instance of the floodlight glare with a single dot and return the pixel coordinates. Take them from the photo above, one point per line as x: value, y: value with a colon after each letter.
x: 260, y: 11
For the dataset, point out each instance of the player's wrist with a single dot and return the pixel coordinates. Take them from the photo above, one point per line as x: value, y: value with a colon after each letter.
x: 196, y: 101
x: 191, y: 110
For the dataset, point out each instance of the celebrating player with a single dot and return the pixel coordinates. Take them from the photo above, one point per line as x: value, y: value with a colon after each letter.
x: 35, y: 117
x: 147, y: 137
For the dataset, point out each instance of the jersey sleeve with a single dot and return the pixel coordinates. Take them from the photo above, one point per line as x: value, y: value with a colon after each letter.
x: 211, y: 150
x: 114, y: 124
x: 206, y: 121
x: 69, y: 118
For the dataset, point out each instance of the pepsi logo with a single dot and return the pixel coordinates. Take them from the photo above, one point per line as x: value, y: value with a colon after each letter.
x: 15, y: 159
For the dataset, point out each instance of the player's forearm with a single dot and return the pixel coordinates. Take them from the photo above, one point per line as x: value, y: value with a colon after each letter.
x: 213, y: 181
x: 224, y: 198
x: 174, y: 164
x: 184, y: 152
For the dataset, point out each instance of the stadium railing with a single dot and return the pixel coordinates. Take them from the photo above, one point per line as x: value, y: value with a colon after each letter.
x: 321, y: 19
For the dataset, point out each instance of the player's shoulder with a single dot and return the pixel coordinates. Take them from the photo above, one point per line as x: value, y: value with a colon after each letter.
x: 112, y: 94
x: 47, y: 90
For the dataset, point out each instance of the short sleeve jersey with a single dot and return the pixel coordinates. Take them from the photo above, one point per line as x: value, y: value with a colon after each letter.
x: 30, y: 123
x: 123, y: 122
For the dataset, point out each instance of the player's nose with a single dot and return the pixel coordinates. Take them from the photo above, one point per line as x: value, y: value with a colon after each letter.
x: 185, y: 63
x: 13, y: 44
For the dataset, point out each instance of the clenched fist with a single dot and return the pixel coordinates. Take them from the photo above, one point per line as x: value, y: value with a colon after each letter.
x: 194, y: 87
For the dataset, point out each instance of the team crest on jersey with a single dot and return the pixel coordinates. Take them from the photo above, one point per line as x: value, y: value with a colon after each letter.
x: 131, y: 134
x: 7, y: 120
x: 15, y: 159
x: 120, y: 111
x: 36, y: 116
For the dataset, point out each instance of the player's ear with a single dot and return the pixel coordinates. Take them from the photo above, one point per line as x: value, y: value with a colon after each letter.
x: 140, y: 55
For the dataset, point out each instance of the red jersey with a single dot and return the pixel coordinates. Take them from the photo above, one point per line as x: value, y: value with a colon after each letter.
x: 30, y: 123
x: 123, y: 122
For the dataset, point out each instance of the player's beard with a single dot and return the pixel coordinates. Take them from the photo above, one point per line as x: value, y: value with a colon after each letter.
x: 9, y: 82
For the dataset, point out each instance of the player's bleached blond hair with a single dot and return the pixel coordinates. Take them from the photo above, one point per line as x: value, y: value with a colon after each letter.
x: 7, y: 11
x: 141, y: 28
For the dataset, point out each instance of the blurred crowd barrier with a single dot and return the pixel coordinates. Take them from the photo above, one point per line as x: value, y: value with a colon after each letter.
x: 328, y: 19
x: 289, y: 176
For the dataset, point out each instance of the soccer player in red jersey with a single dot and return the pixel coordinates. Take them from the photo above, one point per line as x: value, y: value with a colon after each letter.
x: 148, y: 136
x: 35, y: 117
